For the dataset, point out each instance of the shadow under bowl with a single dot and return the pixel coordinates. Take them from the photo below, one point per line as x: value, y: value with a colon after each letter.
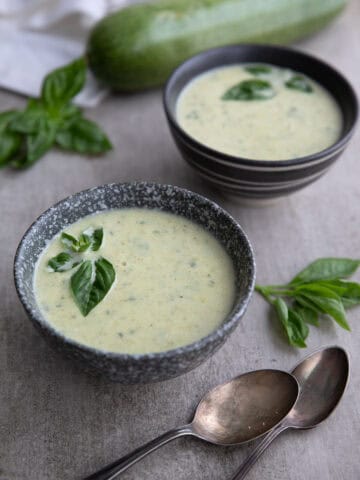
x: 259, y: 179
x: 126, y: 368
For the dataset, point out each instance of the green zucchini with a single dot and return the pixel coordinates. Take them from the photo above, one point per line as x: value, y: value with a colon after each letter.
x: 138, y: 47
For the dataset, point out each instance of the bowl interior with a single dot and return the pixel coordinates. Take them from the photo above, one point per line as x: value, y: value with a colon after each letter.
x: 316, y: 69
x: 168, y: 198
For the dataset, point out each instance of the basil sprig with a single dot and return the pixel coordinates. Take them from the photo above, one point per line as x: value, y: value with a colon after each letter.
x: 319, y: 289
x: 94, y: 278
x: 90, y: 238
x: 62, y: 262
x: 51, y: 120
x: 254, y: 89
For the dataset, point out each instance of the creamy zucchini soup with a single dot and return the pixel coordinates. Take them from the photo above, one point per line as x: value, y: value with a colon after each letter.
x: 260, y: 112
x: 135, y: 281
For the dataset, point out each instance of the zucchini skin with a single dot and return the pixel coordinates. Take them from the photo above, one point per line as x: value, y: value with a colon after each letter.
x: 139, y: 46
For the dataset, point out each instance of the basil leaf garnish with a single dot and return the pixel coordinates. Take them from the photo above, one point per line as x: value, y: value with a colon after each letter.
x: 249, y: 90
x: 63, y: 262
x: 91, y: 282
x: 89, y: 238
x: 96, y: 239
x: 74, y: 244
x: 93, y: 279
x: 69, y: 242
x: 317, y: 290
x: 299, y: 82
x: 62, y: 84
x: 258, y: 69
x: 84, y: 243
x: 83, y: 136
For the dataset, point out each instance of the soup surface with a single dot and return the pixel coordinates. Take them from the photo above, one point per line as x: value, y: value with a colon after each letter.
x: 174, y: 283
x: 292, y: 123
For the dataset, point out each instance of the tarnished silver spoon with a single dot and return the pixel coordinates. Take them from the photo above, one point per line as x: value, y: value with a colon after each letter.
x: 322, y: 378
x: 235, y: 412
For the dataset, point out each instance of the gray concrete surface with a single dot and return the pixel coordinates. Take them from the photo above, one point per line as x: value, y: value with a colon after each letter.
x: 58, y: 424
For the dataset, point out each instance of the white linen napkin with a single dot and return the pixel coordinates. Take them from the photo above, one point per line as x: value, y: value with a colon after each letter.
x: 37, y: 36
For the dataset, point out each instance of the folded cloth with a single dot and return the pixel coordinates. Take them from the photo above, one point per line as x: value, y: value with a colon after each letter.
x: 37, y: 36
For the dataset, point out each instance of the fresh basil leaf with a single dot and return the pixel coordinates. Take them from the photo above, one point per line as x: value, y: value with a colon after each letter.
x: 62, y: 84
x: 307, y: 315
x: 9, y: 145
x: 94, y: 238
x: 296, y: 330
x: 69, y: 114
x: 248, y: 90
x: 63, y: 262
x: 6, y: 117
x: 326, y: 269
x: 350, y: 302
x: 97, y: 239
x: 299, y: 82
x: 84, y: 243
x: 9, y: 141
x: 91, y: 282
x: 333, y: 285
x: 81, y: 284
x: 258, y: 69
x: 308, y: 304
x: 69, y: 242
x: 282, y: 310
x: 89, y: 238
x: 348, y: 291
x: 83, y: 136
x: 331, y: 306
x: 316, y: 289
x: 30, y: 120
x: 37, y: 144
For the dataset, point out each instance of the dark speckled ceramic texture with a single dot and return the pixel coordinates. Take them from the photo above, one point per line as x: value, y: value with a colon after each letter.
x: 146, y: 368
x: 264, y: 179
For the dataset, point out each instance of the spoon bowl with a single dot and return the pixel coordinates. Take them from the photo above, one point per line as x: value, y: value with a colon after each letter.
x: 245, y: 408
x: 323, y: 377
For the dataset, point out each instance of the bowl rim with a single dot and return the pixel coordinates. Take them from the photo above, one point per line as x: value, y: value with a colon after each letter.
x: 270, y: 164
x: 229, y: 322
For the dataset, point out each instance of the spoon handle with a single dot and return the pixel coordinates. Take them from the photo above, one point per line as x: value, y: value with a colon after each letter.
x: 112, y: 470
x: 258, y: 451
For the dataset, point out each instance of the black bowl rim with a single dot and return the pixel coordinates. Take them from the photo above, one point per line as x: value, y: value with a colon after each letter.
x: 276, y: 49
x: 223, y: 330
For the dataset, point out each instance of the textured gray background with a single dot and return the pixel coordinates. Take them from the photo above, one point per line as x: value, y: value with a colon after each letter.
x: 56, y: 423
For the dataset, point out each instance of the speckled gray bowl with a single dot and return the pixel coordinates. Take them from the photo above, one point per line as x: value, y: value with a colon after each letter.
x: 146, y: 368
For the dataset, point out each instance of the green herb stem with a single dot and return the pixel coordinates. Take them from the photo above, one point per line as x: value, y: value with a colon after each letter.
x: 317, y: 290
